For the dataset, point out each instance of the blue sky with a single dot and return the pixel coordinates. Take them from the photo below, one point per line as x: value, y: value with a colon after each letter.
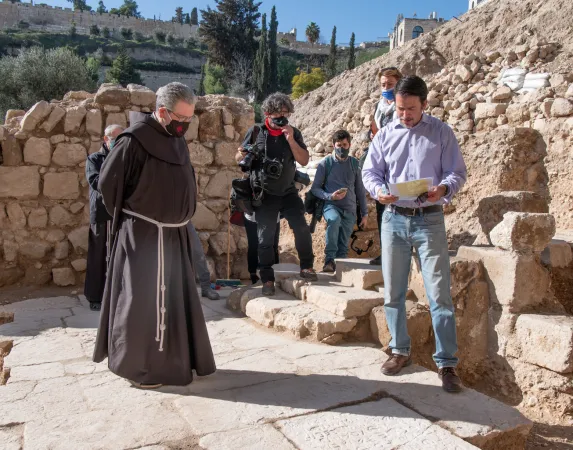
x: 369, y: 19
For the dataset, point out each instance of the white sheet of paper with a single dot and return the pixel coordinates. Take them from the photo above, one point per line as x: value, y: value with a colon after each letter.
x: 410, y: 190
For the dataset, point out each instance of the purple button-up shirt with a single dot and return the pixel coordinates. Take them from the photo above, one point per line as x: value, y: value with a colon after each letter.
x: 428, y: 150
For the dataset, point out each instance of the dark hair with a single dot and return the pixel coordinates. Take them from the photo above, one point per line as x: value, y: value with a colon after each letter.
x: 340, y: 135
x: 412, y: 85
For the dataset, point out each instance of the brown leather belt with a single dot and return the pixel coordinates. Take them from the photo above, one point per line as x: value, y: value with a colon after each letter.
x: 415, y: 211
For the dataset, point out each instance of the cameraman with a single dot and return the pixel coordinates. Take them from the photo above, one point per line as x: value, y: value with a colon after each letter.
x: 279, y: 147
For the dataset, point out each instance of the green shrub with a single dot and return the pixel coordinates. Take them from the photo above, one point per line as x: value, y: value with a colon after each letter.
x: 126, y: 33
x: 94, y: 30
x: 105, y: 32
x: 160, y: 36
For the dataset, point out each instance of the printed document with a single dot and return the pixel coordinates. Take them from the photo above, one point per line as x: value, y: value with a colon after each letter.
x: 410, y: 190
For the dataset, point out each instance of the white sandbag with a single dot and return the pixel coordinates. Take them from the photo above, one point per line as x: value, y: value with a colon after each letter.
x: 526, y: 90
x: 536, y: 84
x: 537, y: 76
x: 513, y: 84
x: 513, y: 72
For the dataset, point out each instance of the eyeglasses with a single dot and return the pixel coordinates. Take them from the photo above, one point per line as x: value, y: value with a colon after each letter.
x: 180, y: 118
x: 281, y: 114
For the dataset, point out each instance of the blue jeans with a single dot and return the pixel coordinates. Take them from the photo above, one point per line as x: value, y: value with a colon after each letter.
x: 339, y: 225
x: 427, y: 234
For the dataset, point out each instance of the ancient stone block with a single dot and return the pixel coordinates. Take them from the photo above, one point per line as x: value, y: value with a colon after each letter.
x: 54, y: 236
x: 545, y: 341
x: 220, y: 184
x: 464, y: 72
x: 34, y: 249
x: 16, y: 216
x: 200, y: 155
x: 69, y: 155
x: 116, y: 119
x: 10, y: 251
x: 11, y: 151
x: 74, y: 118
x: 79, y: 239
x: 112, y: 94
x: 193, y: 130
x: 558, y: 253
x: 562, y: 107
x: 492, y: 208
x: 80, y: 265
x: 63, y: 185
x: 12, y: 113
x: 60, y: 217
x: 204, y: 218
x: 38, y: 218
x: 225, y: 153
x: 64, y: 276
x: 210, y: 125
x: 38, y: 151
x: 62, y: 250
x: 490, y: 110
x: 141, y: 95
x: 219, y: 242
x: 502, y: 93
x: 35, y: 115
x: 55, y: 116
x: 76, y: 207
x: 524, y: 232
x: 517, y: 113
x: 519, y: 283
x: 94, y: 122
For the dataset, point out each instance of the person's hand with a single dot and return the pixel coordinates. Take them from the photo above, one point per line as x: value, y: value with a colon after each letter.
x: 385, y: 199
x: 338, y: 195
x: 436, y: 192
x: 288, y: 132
x: 242, y: 151
x: 363, y: 222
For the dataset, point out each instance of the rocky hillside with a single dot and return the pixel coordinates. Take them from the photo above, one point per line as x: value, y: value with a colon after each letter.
x: 464, y: 63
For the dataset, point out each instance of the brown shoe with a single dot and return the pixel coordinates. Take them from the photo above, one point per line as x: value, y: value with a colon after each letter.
x: 395, y: 363
x: 450, y: 381
x: 269, y: 288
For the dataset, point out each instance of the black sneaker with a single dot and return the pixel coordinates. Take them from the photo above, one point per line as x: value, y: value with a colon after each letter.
x: 376, y: 261
x: 329, y: 267
x: 308, y: 275
x: 95, y: 306
x: 269, y: 288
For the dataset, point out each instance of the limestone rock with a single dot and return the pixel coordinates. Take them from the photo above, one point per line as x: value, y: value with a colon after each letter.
x: 60, y: 217
x: 569, y: 93
x: 54, y: 119
x: 546, y: 341
x: 38, y: 218
x: 35, y: 115
x: 141, y: 95
x: 16, y: 216
x: 199, y: 155
x: 204, y: 218
x: 210, y: 125
x: 557, y: 254
x: 79, y: 239
x: 490, y: 110
x: 11, y: 151
x: 464, y: 72
x: 524, y: 232
x: 492, y: 208
x: 34, y: 249
x: 62, y: 250
x: 220, y: 184
x: 13, y: 113
x: 74, y: 118
x: 62, y: 185
x: 94, y: 122
x: 562, y: 107
x: 68, y: 155
x: 80, y: 265
x: 116, y: 119
x: 193, y: 131
x: 64, y: 276
x: 219, y: 243
x: 54, y: 236
x: 76, y: 207
x: 38, y: 276
x: 38, y: 151
x: 8, y: 276
x: 10, y: 251
x: 112, y: 94
x: 502, y: 93
x: 225, y: 153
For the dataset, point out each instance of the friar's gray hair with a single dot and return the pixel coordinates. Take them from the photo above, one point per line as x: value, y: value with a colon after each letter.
x: 277, y: 103
x: 171, y: 93
x: 111, y: 128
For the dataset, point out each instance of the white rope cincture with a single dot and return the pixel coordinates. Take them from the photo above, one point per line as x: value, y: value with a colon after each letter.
x: 160, y: 297
x: 108, y: 247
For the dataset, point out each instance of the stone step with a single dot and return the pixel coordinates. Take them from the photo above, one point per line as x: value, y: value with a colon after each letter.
x: 477, y: 419
x: 358, y: 273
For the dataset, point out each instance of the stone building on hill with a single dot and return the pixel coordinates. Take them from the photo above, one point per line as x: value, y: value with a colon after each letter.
x: 407, y: 29
x: 475, y: 3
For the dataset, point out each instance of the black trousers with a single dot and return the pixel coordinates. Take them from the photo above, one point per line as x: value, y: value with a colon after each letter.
x: 379, y: 211
x: 253, y: 242
x: 97, y: 264
x: 292, y: 209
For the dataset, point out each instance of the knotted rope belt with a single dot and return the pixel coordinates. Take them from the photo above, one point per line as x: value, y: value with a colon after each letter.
x: 160, y: 299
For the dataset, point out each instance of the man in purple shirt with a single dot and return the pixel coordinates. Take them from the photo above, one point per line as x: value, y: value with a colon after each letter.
x: 412, y: 147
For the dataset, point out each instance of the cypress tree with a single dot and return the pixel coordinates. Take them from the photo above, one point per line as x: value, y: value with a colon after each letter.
x: 351, y: 54
x: 331, y: 65
x: 261, y: 73
x: 273, y: 52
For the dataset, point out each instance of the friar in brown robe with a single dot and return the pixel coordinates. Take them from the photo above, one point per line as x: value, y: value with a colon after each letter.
x: 152, y: 328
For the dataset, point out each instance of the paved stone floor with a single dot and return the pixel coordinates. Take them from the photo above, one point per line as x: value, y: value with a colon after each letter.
x: 270, y: 392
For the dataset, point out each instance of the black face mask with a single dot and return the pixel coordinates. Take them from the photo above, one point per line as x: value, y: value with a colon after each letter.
x: 342, y: 153
x: 176, y: 128
x: 280, y: 121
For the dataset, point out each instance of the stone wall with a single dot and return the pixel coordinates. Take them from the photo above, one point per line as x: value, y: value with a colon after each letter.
x: 44, y: 210
x: 48, y: 18
x: 403, y: 33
